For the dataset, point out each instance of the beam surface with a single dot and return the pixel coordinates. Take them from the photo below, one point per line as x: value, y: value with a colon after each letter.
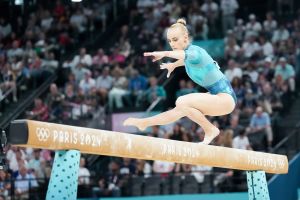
x: 35, y: 134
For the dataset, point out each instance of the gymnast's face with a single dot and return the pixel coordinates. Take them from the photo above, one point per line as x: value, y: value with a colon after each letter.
x: 177, y: 39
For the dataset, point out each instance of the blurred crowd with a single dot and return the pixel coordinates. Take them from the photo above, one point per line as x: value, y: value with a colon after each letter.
x: 32, y: 45
x: 260, y: 60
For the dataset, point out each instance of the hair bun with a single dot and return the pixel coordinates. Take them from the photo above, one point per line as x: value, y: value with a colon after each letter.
x: 181, y: 21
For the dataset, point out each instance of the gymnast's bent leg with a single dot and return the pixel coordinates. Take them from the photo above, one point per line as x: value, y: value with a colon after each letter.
x: 194, y: 106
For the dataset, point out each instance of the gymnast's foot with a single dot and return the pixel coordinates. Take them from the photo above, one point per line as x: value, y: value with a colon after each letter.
x: 139, y: 123
x: 210, y: 135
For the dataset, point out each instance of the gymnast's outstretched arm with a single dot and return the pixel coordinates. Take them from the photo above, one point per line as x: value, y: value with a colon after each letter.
x: 176, y: 54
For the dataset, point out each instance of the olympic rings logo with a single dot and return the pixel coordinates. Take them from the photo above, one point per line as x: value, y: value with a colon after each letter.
x: 42, y: 134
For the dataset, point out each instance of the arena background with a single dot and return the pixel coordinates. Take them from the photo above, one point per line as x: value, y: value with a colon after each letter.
x: 81, y: 63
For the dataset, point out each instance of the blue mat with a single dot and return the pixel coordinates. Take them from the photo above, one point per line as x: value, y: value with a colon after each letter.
x: 223, y: 196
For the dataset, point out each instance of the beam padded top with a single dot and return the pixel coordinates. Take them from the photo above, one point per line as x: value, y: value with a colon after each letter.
x: 45, y: 135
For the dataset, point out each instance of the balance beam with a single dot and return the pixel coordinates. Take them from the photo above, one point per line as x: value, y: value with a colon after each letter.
x: 28, y: 133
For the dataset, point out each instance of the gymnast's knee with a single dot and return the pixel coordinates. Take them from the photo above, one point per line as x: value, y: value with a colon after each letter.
x: 182, y: 105
x: 181, y: 102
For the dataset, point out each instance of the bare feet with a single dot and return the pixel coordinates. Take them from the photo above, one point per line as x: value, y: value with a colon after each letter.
x: 210, y: 135
x: 139, y: 123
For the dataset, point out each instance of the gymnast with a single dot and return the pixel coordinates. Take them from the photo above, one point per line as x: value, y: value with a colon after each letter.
x: 203, y: 70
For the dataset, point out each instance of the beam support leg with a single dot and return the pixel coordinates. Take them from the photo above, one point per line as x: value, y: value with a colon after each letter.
x: 257, y: 185
x: 64, y: 176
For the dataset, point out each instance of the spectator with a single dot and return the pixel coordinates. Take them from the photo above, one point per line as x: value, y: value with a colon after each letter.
x: 72, y: 81
x: 251, y: 71
x: 223, y: 180
x: 104, y: 82
x: 116, y: 57
x: 125, y: 47
x: 143, y: 168
x: 287, y: 72
x: 211, y: 11
x: 18, y: 69
x: 250, y: 47
x: 227, y: 138
x: 235, y: 126
x: 70, y: 101
x: 280, y: 34
x: 201, y: 29
x: 194, y: 14
x: 137, y: 85
x: 5, y: 185
x: 280, y: 87
x: 260, y: 121
x: 154, y: 92
x: 15, y: 155
x: 127, y: 167
x: 266, y: 47
x: 39, y: 112
x: 25, y: 181
x: 87, y: 83
x: 174, y: 10
x: 163, y: 168
x: 270, y: 24
x: 269, y: 99
x: 83, y: 173
x: 15, y: 51
x: 5, y: 28
x: 232, y: 49
x: 239, y: 90
x: 8, y: 82
x: 92, y: 101
x: 79, y: 72
x: 55, y: 102
x: 249, y: 103
x: 37, y: 165
x: 46, y: 21
x: 49, y: 63
x: 240, y: 30
x: 199, y: 172
x: 29, y: 52
x: 34, y: 65
x: 241, y: 141
x: 267, y: 69
x: 79, y: 21
x: 118, y: 90
x: 253, y: 27
x: 233, y: 71
x: 100, y: 59
x: 112, y: 184
x: 83, y: 58
x: 228, y: 8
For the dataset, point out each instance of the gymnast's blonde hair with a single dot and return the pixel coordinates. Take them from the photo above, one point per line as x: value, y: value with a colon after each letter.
x: 180, y: 23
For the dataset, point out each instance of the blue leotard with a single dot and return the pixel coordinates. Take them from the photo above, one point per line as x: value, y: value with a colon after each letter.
x: 203, y: 70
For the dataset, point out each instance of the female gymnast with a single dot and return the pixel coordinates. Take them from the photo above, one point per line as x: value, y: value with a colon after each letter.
x: 202, y: 69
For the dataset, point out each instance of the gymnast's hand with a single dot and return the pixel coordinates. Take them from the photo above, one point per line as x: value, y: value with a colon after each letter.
x: 156, y: 55
x: 169, y: 66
